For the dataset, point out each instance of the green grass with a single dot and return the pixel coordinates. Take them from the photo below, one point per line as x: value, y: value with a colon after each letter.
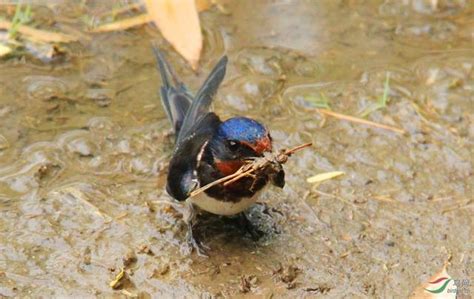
x: 382, y: 101
x: 21, y: 17
x: 320, y: 101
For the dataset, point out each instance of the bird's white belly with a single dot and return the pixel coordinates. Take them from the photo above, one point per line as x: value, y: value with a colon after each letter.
x: 218, y: 207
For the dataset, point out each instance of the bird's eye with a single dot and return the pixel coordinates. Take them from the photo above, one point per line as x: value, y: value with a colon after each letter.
x: 233, y: 145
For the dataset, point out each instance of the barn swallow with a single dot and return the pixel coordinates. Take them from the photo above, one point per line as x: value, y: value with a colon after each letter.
x: 208, y: 148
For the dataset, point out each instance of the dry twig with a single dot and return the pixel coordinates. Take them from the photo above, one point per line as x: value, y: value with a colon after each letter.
x: 38, y: 34
x: 124, y: 24
x: 253, y: 167
x: 360, y: 121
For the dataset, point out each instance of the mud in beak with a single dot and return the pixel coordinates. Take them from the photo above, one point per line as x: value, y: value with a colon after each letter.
x: 278, y: 178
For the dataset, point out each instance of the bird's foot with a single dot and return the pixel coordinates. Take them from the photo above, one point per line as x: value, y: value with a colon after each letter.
x: 189, y: 217
x: 193, y: 244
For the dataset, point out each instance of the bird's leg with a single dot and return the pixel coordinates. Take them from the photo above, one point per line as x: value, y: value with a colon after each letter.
x: 189, y: 217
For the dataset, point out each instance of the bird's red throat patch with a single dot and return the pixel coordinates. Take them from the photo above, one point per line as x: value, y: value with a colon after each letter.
x: 228, y: 167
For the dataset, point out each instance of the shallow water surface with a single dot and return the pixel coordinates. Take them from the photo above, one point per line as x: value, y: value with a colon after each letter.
x: 84, y: 145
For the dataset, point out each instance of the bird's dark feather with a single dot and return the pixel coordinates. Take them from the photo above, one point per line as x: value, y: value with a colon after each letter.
x: 175, y: 98
x: 181, y: 176
x: 196, y: 130
x: 244, y: 187
x: 201, y: 103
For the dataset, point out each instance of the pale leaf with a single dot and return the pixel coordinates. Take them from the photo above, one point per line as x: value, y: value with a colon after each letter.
x: 178, y: 21
x: 4, y: 50
x: 324, y: 176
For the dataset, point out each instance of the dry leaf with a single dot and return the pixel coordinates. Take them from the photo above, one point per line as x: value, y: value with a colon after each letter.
x: 324, y: 176
x: 39, y: 35
x: 203, y: 5
x: 141, y: 19
x: 440, y: 285
x: 178, y: 21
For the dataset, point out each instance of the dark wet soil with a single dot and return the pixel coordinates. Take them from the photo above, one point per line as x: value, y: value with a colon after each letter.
x: 84, y: 146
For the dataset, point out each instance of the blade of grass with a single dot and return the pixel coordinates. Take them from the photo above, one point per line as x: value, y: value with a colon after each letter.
x: 386, y: 89
x: 382, y: 101
x: 20, y: 17
x: 319, y: 102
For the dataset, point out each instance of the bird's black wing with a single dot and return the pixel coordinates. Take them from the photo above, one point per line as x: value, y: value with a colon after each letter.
x: 175, y: 98
x: 182, y: 176
x: 192, y: 122
x: 201, y: 103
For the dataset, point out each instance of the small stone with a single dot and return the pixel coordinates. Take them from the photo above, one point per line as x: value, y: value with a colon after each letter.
x: 129, y: 259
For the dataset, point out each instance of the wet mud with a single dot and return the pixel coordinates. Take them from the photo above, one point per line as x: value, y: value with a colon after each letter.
x: 84, y: 145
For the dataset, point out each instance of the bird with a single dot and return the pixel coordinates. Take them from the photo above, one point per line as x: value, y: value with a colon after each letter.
x: 208, y: 148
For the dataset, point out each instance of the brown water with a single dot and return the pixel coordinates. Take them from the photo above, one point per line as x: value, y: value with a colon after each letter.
x: 83, y: 152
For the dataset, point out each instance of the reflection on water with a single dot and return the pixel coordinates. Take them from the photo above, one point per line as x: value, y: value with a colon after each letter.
x: 84, y: 144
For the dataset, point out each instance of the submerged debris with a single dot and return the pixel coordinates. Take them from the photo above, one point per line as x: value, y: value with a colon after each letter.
x: 101, y: 96
x: 247, y: 283
x: 161, y: 270
x: 145, y: 249
x: 47, y: 170
x: 46, y: 52
x: 87, y: 258
x: 321, y: 289
x: 287, y: 275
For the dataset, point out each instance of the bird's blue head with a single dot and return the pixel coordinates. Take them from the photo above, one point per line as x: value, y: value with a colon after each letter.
x: 247, y: 132
x: 237, y: 139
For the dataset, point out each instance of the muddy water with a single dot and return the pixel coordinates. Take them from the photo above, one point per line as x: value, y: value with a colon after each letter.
x: 84, y: 146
